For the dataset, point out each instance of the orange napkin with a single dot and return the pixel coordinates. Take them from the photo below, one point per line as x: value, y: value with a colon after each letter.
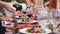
x: 23, y: 26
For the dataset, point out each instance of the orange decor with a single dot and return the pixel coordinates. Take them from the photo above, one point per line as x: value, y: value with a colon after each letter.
x: 34, y: 2
x: 53, y: 3
x: 28, y: 1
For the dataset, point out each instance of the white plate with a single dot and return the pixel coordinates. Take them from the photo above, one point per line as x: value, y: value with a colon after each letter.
x: 32, y: 21
x: 6, y: 22
x: 24, y: 30
x: 16, y: 16
x: 35, y: 21
x: 20, y: 21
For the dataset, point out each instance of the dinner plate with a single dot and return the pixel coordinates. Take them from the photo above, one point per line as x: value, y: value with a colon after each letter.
x: 21, y: 17
x: 33, y: 21
x: 6, y: 22
x: 16, y: 16
x: 18, y: 20
x: 24, y: 30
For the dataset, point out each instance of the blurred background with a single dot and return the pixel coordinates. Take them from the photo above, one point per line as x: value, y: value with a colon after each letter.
x: 53, y: 3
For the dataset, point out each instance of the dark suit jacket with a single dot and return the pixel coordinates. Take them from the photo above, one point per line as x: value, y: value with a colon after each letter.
x: 2, y: 29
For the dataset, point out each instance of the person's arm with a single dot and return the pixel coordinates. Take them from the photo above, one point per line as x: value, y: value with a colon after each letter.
x: 1, y: 3
x: 6, y: 6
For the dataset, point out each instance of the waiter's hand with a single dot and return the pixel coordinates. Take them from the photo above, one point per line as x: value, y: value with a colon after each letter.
x: 10, y: 8
x: 7, y: 6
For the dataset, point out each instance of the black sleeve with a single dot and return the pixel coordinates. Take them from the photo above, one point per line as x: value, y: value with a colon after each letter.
x: 2, y: 27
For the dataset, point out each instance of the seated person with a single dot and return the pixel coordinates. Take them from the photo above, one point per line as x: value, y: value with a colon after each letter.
x: 57, y: 30
x: 50, y: 26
